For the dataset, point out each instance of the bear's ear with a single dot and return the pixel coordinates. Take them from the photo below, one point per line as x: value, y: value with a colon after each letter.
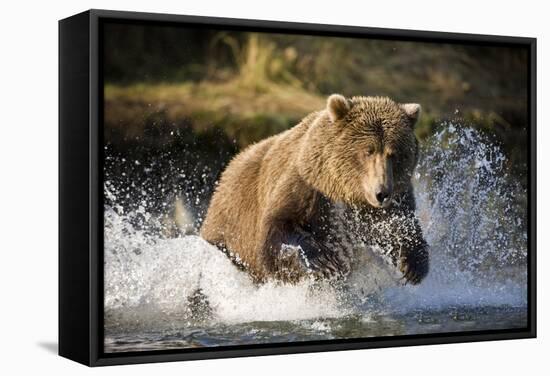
x: 337, y: 106
x: 412, y: 110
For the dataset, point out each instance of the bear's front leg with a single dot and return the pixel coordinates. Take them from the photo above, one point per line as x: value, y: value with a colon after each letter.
x: 411, y: 252
x: 414, y: 252
x: 320, y: 259
x: 414, y: 263
x: 295, y: 253
x: 398, y: 233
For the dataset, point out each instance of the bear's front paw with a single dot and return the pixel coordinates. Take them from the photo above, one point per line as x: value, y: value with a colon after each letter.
x: 291, y: 264
x: 414, y: 264
x: 313, y: 260
x: 325, y: 264
x: 303, y: 256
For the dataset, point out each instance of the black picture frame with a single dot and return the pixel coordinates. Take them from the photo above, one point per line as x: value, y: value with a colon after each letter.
x: 80, y: 189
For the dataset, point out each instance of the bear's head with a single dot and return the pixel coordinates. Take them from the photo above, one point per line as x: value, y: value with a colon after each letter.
x: 361, y: 150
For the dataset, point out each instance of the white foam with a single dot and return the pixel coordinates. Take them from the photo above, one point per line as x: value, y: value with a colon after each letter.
x: 165, y: 272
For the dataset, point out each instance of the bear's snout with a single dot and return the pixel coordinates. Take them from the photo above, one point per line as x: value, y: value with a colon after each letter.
x: 378, y: 180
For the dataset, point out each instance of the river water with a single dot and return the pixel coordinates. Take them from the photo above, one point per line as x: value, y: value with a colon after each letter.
x: 166, y: 290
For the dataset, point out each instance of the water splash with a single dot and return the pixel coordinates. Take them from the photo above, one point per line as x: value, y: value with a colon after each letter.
x: 473, y: 213
x: 471, y: 209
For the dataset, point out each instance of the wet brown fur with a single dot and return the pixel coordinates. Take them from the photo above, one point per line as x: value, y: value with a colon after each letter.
x: 276, y: 187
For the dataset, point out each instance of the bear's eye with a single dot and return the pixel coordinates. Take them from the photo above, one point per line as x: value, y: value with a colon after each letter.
x: 369, y: 151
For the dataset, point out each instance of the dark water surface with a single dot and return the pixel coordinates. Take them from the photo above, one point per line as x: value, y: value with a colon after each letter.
x: 419, y: 322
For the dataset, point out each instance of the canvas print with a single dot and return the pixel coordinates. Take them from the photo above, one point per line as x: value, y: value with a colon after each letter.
x: 266, y: 188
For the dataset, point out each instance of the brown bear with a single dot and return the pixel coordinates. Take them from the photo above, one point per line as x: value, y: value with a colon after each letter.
x: 298, y: 204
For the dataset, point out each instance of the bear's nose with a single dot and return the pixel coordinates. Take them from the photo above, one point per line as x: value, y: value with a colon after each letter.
x: 382, y: 195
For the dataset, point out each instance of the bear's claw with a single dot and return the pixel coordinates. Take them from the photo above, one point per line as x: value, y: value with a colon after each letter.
x: 414, y: 265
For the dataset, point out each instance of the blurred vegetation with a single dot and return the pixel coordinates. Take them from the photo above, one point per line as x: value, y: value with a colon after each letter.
x: 247, y: 86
